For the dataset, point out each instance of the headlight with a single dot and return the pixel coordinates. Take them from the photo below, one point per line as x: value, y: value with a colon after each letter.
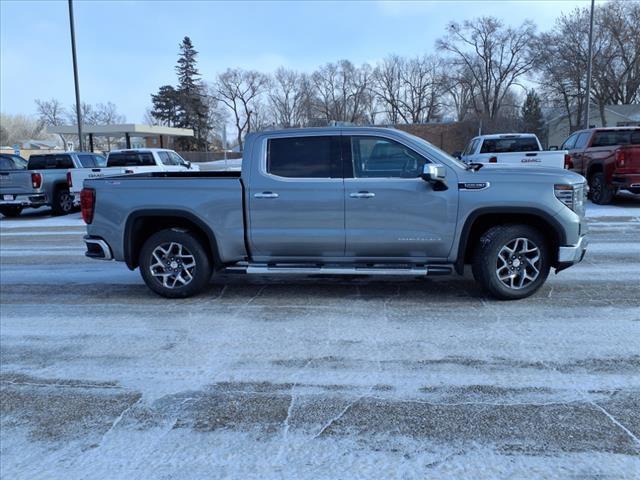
x: 573, y: 196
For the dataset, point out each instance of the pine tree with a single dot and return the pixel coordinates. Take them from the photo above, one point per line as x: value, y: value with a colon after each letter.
x: 166, y: 106
x: 532, y: 119
x: 194, y: 112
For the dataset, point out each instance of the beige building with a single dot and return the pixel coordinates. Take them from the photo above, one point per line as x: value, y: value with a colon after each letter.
x: 615, y: 116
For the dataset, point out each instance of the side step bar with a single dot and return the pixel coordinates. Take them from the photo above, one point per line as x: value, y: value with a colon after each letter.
x: 262, y: 269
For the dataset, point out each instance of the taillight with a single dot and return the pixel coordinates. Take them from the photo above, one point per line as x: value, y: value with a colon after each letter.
x: 620, y: 158
x: 69, y: 180
x: 87, y: 204
x: 36, y: 180
x: 568, y: 163
x: 493, y: 160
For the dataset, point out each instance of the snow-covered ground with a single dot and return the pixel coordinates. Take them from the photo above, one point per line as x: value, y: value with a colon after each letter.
x: 316, y: 378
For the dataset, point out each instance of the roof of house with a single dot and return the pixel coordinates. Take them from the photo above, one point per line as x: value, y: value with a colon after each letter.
x: 630, y: 112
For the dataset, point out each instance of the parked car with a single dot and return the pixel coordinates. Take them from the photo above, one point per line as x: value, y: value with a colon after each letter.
x: 124, y: 162
x: 340, y: 201
x: 522, y: 149
x: 609, y: 158
x: 10, y: 166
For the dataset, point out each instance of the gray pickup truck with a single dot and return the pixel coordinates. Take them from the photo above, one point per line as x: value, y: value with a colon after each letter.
x: 340, y: 201
x: 44, y: 182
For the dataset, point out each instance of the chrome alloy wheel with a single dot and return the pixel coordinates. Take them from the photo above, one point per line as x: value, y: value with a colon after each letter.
x: 172, y: 265
x: 518, y: 263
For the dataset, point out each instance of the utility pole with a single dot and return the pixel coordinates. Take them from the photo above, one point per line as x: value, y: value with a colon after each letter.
x: 75, y: 75
x: 586, y: 117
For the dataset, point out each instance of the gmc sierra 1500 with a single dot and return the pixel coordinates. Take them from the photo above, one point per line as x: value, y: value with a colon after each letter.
x: 370, y: 201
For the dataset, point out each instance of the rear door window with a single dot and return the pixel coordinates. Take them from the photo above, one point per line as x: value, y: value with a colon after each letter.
x: 6, y: 163
x: 304, y: 157
x: 582, y: 140
x: 510, y: 145
x: 130, y: 159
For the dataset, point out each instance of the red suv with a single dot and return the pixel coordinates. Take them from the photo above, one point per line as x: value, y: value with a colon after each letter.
x: 609, y: 158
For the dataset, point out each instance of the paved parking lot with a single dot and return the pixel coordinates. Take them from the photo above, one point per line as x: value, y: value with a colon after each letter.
x: 316, y: 377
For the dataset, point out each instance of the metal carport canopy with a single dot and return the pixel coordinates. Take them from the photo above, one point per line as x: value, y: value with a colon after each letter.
x: 127, y: 130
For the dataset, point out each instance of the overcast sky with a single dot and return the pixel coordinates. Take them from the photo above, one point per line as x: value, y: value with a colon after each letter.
x: 127, y: 49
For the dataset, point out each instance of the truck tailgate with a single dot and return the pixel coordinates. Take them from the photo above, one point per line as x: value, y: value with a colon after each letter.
x: 17, y: 182
x: 541, y: 159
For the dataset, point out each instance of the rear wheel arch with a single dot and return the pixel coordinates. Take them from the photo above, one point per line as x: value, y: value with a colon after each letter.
x: 141, y: 225
x: 479, y: 221
x: 593, y: 169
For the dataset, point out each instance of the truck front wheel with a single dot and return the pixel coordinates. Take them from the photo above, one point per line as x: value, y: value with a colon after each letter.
x: 174, y: 264
x: 511, y: 261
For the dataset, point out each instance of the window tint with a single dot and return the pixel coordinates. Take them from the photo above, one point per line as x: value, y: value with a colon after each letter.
x: 12, y: 162
x: 609, y: 138
x: 165, y: 159
x: 582, y: 140
x: 471, y: 147
x: 508, y: 145
x: 569, y: 142
x: 177, y: 159
x: 50, y: 162
x: 130, y: 159
x: 6, y: 163
x: 375, y: 157
x: 87, y: 161
x: 304, y: 157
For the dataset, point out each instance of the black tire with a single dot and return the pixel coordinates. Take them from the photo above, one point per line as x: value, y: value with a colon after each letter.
x: 191, y: 245
x: 62, y: 202
x: 11, y: 210
x: 487, y: 263
x: 599, y: 191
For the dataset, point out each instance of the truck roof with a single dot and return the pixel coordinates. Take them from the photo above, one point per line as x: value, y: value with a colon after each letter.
x: 137, y: 150
x: 507, y: 135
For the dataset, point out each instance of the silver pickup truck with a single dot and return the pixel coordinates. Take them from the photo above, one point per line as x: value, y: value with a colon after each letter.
x: 44, y: 182
x: 340, y: 201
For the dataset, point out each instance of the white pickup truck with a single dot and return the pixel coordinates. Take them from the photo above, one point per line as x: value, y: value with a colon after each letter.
x: 514, y: 149
x: 125, y: 162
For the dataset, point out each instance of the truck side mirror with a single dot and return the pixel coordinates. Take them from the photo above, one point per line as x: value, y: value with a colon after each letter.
x: 435, y: 174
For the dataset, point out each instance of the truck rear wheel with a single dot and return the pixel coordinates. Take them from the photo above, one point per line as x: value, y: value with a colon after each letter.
x: 11, y: 210
x: 511, y: 261
x: 62, y: 202
x: 599, y: 191
x: 175, y: 264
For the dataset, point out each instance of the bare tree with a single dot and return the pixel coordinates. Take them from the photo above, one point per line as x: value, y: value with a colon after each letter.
x: 422, y: 88
x: 457, y: 85
x: 52, y: 114
x: 497, y: 57
x: 107, y: 114
x: 387, y: 86
x: 240, y: 90
x: 342, y: 92
x: 16, y: 128
x: 288, y: 92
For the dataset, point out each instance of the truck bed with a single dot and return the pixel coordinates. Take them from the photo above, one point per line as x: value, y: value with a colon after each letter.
x: 213, y: 199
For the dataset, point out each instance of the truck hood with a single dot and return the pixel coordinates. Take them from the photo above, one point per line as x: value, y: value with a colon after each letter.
x: 519, y: 174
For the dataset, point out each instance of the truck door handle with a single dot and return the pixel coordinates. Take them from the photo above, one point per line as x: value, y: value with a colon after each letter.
x: 362, y: 195
x: 266, y: 195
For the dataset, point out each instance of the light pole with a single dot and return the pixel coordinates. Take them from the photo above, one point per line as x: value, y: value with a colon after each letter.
x: 586, y: 117
x: 75, y: 75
